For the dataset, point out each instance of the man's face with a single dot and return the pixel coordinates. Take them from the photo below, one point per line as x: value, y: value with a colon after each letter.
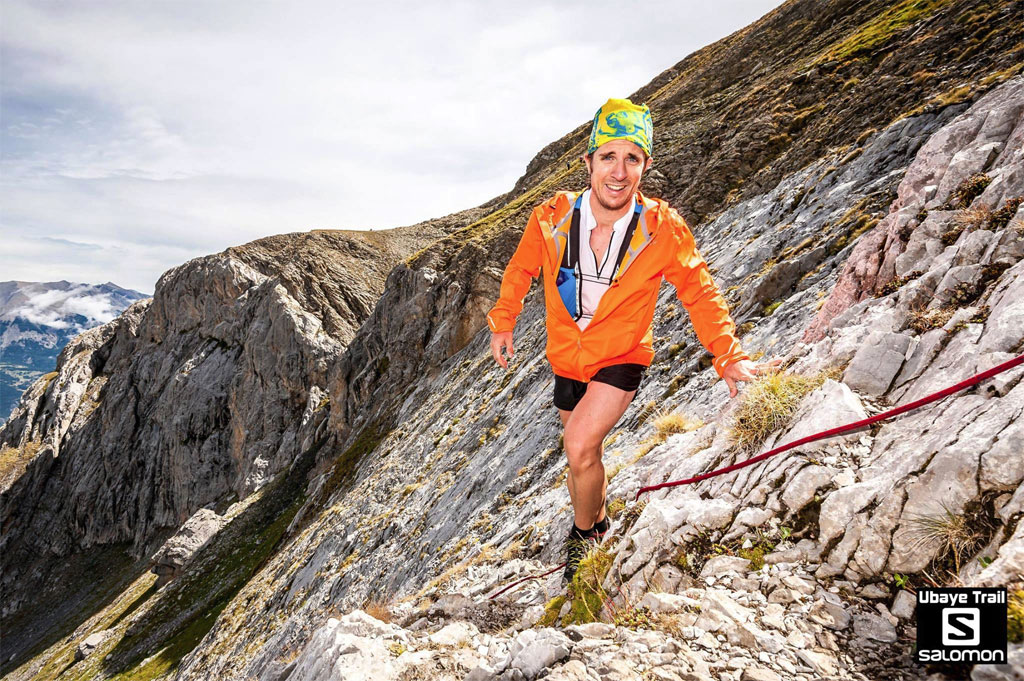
x: 615, y: 171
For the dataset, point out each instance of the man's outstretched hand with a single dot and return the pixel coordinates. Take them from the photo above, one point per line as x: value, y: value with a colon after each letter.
x: 743, y: 370
x: 499, y: 341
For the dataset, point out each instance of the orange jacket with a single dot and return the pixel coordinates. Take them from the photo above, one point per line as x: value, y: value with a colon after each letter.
x: 621, y: 330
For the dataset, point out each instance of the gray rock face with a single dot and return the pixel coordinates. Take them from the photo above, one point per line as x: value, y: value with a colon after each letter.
x: 877, y: 362
x: 984, y: 138
x: 196, y: 397
x: 169, y: 560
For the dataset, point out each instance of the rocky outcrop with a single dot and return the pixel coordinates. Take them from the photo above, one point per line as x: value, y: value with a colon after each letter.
x: 987, y: 140
x: 174, y: 555
x: 195, y: 398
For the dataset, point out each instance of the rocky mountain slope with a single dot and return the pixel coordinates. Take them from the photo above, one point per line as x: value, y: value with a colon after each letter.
x: 37, y: 319
x: 282, y: 454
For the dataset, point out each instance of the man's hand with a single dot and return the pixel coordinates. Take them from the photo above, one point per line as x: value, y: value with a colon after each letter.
x: 499, y: 341
x: 743, y: 370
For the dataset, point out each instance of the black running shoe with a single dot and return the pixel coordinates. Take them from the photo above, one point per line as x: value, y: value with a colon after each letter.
x: 577, y: 547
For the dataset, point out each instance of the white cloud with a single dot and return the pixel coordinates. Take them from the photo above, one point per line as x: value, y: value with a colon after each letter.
x: 169, y: 130
x: 52, y: 308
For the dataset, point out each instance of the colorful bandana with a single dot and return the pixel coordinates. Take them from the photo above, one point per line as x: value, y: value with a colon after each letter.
x: 622, y: 119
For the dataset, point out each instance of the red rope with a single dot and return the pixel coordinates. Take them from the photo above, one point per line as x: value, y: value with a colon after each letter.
x: 973, y: 380
x: 526, y: 579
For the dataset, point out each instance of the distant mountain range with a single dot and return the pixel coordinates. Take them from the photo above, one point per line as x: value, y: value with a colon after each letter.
x: 37, y: 319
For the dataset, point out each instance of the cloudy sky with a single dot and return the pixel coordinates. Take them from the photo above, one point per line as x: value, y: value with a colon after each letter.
x: 136, y: 135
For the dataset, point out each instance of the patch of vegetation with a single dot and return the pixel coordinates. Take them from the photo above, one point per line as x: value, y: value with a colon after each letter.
x: 744, y: 328
x: 677, y: 382
x: 671, y: 423
x: 963, y: 295
x: 1015, y: 617
x: 966, y: 293
x: 854, y: 222
x: 634, y: 618
x: 204, y: 594
x: 968, y: 190
x: 968, y: 219
x: 883, y: 28
x: 768, y: 404
x: 1002, y: 216
x: 646, y: 412
x: 692, y: 556
x: 898, y: 283
x: 587, y: 596
x: 921, y: 320
x: 981, y: 316
x: 630, y: 515
x: 771, y: 307
x: 494, y: 431
x: 615, y: 507
x: 345, y: 465
x: 956, y: 535
x: 551, y: 610
x: 378, y: 609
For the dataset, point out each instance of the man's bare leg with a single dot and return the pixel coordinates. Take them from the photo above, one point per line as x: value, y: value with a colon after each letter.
x: 565, y: 414
x: 585, y: 429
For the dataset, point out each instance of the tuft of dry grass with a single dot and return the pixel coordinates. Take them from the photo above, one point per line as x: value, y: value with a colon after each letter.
x: 966, y: 220
x: 671, y: 423
x: 768, y: 403
x: 512, y: 551
x: 952, y: 532
x: 378, y: 609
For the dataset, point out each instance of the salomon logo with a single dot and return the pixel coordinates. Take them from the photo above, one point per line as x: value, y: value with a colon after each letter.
x: 961, y: 625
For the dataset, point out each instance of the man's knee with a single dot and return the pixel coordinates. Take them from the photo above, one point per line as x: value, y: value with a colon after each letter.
x: 580, y: 450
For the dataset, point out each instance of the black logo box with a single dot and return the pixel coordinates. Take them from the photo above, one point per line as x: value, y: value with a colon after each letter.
x: 961, y: 624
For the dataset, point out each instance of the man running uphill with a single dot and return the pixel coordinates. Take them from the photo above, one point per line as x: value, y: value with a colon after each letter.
x: 604, y: 252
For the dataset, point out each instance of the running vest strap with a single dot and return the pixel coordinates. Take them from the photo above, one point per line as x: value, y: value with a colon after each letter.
x: 569, y: 282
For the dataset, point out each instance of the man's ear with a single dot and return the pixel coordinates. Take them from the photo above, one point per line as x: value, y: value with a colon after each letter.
x: 586, y: 160
x: 647, y: 166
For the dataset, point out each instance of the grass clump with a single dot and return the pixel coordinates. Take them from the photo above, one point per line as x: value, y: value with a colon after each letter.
x: 1015, y: 617
x: 957, y: 535
x: 585, y: 591
x: 677, y: 382
x: 1002, y: 216
x: 665, y: 424
x: 378, y: 609
x: 615, y: 507
x: 967, y: 219
x: 551, y: 610
x: 925, y: 320
x: 968, y: 190
x: 898, y: 283
x: 634, y: 618
x: 770, y: 308
x: 768, y: 404
x: 672, y: 423
x: 883, y: 28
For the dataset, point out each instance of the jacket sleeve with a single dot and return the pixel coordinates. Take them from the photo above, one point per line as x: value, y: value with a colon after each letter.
x: 706, y: 306
x: 519, y: 273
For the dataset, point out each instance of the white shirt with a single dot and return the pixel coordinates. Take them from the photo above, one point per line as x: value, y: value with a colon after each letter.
x: 597, y: 276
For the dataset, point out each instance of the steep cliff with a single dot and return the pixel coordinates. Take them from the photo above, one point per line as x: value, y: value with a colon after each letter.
x: 360, y: 448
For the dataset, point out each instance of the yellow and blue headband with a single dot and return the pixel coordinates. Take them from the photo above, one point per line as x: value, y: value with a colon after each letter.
x: 622, y: 119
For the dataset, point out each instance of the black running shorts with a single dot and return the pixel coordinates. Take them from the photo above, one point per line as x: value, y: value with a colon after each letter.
x: 568, y: 392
